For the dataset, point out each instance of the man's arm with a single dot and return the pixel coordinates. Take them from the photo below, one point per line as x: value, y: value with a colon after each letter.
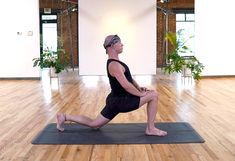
x: 136, y: 85
x: 117, y: 71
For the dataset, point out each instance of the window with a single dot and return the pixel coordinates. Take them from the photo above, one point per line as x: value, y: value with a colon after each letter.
x: 49, y: 36
x: 49, y: 32
x: 49, y: 17
x: 185, y: 21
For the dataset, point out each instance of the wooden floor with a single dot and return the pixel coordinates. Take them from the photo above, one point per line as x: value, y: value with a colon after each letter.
x: 27, y: 106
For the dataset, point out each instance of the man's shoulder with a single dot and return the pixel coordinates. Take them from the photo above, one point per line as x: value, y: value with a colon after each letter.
x: 114, y: 64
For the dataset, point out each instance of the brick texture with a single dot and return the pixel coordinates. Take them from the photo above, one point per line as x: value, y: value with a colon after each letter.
x: 161, y: 53
x: 172, y: 4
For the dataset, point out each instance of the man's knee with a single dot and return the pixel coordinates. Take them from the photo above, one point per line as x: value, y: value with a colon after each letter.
x: 154, y: 95
x: 94, y: 125
x: 98, y: 124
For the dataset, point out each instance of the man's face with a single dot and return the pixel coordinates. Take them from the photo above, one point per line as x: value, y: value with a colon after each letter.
x: 118, y: 47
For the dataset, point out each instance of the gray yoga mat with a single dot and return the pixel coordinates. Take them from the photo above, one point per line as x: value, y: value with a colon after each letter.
x: 119, y: 133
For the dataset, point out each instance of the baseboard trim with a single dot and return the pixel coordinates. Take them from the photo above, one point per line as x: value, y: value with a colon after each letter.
x: 20, y: 78
x: 217, y: 76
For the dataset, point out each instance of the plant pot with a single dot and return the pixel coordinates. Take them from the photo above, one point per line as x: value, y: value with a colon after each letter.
x: 186, y: 72
x: 52, y: 72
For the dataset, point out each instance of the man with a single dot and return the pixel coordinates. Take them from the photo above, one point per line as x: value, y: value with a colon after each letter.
x: 126, y: 94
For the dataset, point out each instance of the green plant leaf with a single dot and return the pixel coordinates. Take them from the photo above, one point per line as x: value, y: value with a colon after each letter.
x: 177, y: 63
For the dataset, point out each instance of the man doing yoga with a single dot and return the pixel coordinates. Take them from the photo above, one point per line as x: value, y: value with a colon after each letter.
x: 126, y: 95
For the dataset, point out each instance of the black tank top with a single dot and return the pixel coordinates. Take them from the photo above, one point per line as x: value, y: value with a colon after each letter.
x: 116, y: 87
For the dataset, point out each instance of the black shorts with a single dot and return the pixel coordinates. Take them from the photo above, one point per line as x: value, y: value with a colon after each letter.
x: 119, y: 104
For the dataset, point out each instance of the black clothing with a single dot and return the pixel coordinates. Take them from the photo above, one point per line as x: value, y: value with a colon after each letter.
x: 116, y: 87
x: 119, y: 100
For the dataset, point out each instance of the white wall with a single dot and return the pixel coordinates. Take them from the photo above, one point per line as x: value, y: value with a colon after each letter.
x: 133, y: 20
x: 214, y: 37
x: 17, y: 51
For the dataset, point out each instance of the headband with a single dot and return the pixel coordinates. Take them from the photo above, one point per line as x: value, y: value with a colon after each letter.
x: 108, y: 42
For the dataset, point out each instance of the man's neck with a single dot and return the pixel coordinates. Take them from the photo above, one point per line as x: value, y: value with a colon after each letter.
x: 113, y: 56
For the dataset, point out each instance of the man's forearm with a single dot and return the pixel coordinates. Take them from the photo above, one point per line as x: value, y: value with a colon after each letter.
x: 136, y: 85
x: 132, y: 89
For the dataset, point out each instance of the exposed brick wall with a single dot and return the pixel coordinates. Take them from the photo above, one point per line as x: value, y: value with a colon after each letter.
x: 63, y: 29
x: 160, y: 22
x: 161, y: 54
x: 64, y: 33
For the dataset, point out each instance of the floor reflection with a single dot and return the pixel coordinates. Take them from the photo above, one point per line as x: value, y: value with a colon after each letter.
x: 90, y: 81
x: 49, y: 84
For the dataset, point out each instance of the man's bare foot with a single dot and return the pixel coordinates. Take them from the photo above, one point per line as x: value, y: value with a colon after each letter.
x: 60, y: 119
x: 155, y: 131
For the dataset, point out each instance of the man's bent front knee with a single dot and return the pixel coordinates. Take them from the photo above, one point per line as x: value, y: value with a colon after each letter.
x: 154, y: 95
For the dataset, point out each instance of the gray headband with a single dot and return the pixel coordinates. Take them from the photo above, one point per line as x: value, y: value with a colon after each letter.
x: 112, y: 41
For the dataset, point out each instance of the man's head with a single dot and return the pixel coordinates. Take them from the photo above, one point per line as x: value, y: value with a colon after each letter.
x: 111, y: 40
x: 112, y: 44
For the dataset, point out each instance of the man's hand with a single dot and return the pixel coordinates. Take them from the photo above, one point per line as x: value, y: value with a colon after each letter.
x: 143, y: 93
x: 144, y: 89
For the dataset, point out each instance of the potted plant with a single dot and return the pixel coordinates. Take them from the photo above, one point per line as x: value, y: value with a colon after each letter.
x: 50, y: 59
x: 56, y: 60
x: 181, y: 64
